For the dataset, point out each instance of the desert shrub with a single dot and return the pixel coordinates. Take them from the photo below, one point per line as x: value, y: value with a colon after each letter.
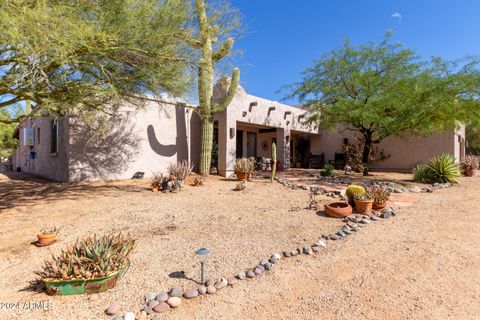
x: 180, y: 169
x: 244, y: 165
x: 92, y: 257
x: 420, y: 173
x: 471, y: 162
x: 380, y: 196
x: 440, y: 169
x: 157, y: 180
x: 328, y: 170
x: 240, y: 186
x: 199, y: 180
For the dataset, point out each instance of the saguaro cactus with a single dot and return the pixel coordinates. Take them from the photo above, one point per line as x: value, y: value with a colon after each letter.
x: 274, y: 161
x: 207, y: 35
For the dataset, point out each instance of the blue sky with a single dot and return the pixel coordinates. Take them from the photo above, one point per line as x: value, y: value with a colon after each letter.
x: 283, y: 37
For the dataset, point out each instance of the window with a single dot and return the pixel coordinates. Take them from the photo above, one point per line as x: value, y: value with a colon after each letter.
x: 54, y: 137
x: 38, y: 135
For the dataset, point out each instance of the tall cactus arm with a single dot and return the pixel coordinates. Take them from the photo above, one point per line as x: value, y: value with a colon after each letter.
x: 202, y: 19
x: 221, y: 105
x: 223, y: 51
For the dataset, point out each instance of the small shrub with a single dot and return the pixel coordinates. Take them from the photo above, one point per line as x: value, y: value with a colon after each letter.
x: 471, y: 162
x: 49, y: 231
x: 240, y: 186
x: 380, y: 196
x: 157, y: 181
x: 420, y: 174
x: 328, y: 170
x: 199, y: 180
x: 180, y: 169
x: 244, y: 165
x: 441, y: 169
x: 90, y: 258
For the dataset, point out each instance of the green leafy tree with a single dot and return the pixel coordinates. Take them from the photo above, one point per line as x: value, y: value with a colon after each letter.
x: 80, y: 57
x: 383, y: 89
x: 211, y: 28
x: 473, y: 139
x: 7, y: 143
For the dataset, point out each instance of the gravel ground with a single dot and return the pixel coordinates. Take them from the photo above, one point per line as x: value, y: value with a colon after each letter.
x: 422, y: 264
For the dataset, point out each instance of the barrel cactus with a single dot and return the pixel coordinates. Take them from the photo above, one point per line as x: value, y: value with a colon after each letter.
x: 274, y: 161
x: 354, y: 190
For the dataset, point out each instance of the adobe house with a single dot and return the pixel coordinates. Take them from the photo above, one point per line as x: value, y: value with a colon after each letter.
x: 147, y: 139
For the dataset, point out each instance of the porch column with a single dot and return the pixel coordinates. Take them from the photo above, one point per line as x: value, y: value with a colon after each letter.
x: 283, y: 148
x: 227, y: 131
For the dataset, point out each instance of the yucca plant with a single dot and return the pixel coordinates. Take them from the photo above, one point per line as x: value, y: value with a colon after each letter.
x: 421, y: 173
x: 327, y: 170
x: 90, y: 258
x: 180, y: 169
x: 443, y: 169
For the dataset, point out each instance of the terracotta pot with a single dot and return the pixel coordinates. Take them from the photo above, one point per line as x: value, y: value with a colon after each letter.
x: 379, y: 207
x: 470, y: 172
x: 364, y: 207
x: 242, y: 176
x: 338, y: 209
x: 46, y: 239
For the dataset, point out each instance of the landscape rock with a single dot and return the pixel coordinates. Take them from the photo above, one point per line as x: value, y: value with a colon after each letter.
x: 341, y: 234
x: 386, y: 214
x: 316, y: 249
x: 241, y: 275
x: 374, y: 218
x: 190, y: 294
x: 143, y: 315
x: 162, y: 297
x: 273, y: 259
x: 365, y: 221
x: 211, y: 289
x: 258, y: 271
x: 174, y: 302
x: 176, y: 293
x: 334, y: 237
x: 415, y: 190
x: 112, y: 309
x: 261, y: 267
x: 278, y: 256
x: 150, y: 296
x: 232, y: 281
x: 148, y: 310
x: 161, y: 307
x: 202, y: 290
x: 221, y: 283
x: 129, y: 316
x: 307, y: 250
x: 250, y: 274
x: 210, y: 282
x: 287, y: 254
x: 152, y: 303
x: 268, y: 266
x: 320, y: 243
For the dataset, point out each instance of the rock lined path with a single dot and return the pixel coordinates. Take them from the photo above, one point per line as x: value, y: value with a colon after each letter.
x: 422, y: 264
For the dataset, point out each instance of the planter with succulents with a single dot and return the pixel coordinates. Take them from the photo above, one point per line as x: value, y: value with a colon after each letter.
x: 338, y: 209
x: 380, y: 198
x: 352, y: 191
x: 364, y: 203
x: 92, y: 265
x: 47, y: 237
x: 470, y: 165
x: 243, y: 168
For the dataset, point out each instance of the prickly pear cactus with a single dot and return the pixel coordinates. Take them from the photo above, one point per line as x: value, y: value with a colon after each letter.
x: 274, y: 161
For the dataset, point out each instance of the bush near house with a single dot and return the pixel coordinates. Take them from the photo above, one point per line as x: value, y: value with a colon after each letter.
x: 440, y: 169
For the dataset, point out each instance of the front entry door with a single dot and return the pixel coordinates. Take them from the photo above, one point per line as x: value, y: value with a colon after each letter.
x: 239, y: 153
x: 251, y: 144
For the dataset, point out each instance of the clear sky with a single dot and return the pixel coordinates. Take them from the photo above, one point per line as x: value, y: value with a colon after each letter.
x: 283, y: 37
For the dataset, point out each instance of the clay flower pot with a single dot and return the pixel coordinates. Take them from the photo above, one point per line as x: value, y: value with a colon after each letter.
x: 379, y: 207
x: 338, y: 209
x: 242, y: 176
x: 46, y: 239
x: 469, y: 172
x: 364, y: 207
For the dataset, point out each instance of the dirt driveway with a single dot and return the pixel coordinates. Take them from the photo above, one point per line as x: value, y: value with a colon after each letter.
x: 422, y: 264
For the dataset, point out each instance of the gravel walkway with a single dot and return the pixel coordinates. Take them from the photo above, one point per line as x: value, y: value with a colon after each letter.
x: 422, y: 264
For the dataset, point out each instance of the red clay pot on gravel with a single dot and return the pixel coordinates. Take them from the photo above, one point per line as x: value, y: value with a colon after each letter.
x: 242, y: 176
x: 338, y: 209
x: 364, y: 207
x: 379, y: 207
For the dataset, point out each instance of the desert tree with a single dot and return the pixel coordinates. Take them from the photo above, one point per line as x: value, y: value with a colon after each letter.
x: 384, y: 89
x: 81, y: 57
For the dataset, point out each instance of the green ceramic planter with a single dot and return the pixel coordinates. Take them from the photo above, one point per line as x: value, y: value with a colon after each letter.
x: 70, y: 287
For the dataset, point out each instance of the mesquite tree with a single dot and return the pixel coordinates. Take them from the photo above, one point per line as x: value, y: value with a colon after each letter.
x: 204, y: 42
x: 383, y: 89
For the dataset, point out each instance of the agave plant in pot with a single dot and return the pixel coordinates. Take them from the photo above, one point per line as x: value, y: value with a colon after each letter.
x: 380, y: 198
x: 92, y: 265
x: 243, y: 168
x: 364, y: 203
x: 47, y: 236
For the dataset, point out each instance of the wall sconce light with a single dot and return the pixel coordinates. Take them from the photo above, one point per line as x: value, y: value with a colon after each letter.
x: 202, y: 256
x: 271, y: 109
x: 232, y: 133
x: 244, y: 113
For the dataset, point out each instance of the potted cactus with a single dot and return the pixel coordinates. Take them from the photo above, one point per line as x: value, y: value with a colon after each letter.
x: 243, y: 168
x: 469, y: 165
x: 380, y: 198
x: 47, y: 236
x: 353, y: 190
x: 92, y: 265
x: 364, y: 203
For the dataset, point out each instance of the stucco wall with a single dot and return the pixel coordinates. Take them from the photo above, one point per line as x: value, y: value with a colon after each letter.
x: 405, y: 153
x: 45, y: 164
x: 136, y: 140
x: 264, y: 113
